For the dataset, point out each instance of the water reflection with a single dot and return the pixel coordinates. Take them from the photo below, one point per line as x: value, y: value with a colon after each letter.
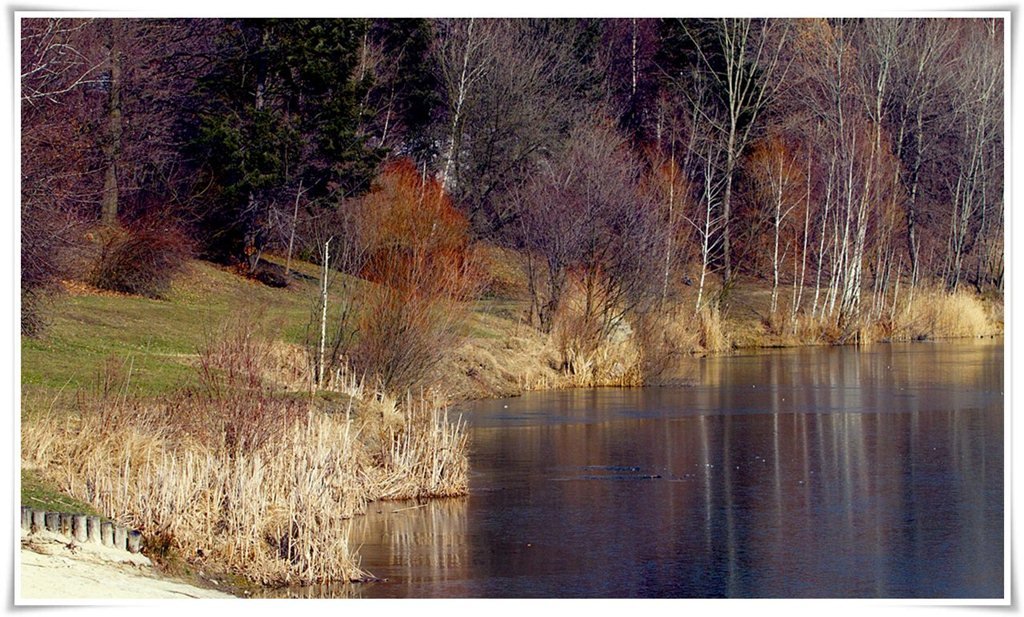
x: 809, y: 473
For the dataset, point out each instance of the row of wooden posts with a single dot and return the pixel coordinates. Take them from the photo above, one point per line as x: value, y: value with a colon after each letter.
x: 82, y: 528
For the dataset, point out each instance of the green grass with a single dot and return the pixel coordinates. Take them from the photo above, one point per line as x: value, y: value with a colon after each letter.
x: 157, y: 339
x: 39, y: 494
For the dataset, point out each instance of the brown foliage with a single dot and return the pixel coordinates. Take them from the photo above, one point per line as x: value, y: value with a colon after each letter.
x: 141, y: 258
x: 418, y: 256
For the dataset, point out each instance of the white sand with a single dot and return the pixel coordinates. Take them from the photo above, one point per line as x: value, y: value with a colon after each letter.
x: 54, y: 569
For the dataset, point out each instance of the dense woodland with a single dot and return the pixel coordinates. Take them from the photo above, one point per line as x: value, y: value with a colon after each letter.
x: 841, y: 162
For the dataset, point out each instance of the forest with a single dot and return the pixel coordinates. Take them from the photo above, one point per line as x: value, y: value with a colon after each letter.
x: 498, y: 204
x: 841, y: 155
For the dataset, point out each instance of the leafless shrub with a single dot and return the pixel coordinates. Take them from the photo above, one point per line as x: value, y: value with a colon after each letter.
x: 142, y: 258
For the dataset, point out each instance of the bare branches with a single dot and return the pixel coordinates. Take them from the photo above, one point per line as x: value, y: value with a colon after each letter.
x: 53, y: 59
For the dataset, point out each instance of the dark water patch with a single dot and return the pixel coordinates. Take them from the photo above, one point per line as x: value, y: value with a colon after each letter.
x: 810, y: 473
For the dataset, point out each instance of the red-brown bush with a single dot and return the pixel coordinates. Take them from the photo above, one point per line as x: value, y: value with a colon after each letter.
x: 141, y: 258
x: 418, y: 255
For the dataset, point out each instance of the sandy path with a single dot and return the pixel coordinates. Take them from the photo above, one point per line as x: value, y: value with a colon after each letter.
x: 53, y: 570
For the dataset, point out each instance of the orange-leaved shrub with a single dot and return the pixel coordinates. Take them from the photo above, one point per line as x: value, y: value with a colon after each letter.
x: 420, y: 262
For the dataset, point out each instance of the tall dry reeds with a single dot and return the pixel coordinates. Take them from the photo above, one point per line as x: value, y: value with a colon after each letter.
x: 711, y: 325
x: 929, y: 312
x: 237, y: 476
x: 595, y: 348
x: 935, y: 313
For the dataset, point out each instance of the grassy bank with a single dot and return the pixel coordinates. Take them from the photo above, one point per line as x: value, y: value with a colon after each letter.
x: 194, y: 419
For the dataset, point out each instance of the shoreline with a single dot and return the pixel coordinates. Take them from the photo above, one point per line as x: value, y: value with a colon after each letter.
x: 54, y: 571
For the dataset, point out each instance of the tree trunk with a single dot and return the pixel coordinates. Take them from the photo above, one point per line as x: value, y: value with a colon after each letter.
x: 323, y: 315
x: 291, y: 236
x: 455, y: 132
x: 112, y: 146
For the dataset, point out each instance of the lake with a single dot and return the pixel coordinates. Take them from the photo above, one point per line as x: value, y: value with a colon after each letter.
x: 830, y: 472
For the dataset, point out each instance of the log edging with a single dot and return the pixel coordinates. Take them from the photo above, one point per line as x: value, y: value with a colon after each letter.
x: 81, y: 528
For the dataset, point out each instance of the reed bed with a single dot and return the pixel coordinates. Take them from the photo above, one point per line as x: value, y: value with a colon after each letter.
x: 711, y: 326
x: 936, y: 313
x: 932, y: 312
x: 272, y: 502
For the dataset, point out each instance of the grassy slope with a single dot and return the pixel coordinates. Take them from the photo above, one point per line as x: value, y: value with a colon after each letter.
x: 158, y: 339
x: 92, y: 332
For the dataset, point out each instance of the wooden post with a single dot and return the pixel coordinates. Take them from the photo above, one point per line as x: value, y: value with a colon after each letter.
x: 107, y: 533
x: 120, y: 538
x: 26, y: 518
x: 65, y: 524
x: 38, y: 521
x: 79, y: 530
x: 134, y: 541
x: 53, y: 522
x: 93, y: 529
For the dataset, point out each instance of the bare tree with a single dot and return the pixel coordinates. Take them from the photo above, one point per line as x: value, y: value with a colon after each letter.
x: 464, y: 54
x: 585, y: 213
x: 922, y: 69
x: 745, y: 59
x: 55, y: 59
x: 781, y: 186
x: 524, y: 88
x: 979, y: 120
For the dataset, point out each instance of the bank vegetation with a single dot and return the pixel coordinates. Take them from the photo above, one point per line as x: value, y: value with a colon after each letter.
x: 441, y: 209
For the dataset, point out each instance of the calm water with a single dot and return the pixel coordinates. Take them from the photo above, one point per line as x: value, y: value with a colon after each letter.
x: 831, y: 472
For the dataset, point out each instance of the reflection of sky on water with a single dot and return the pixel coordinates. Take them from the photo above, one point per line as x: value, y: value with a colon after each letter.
x: 826, y: 472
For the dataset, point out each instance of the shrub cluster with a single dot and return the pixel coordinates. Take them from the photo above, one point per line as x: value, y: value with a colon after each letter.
x: 141, y: 258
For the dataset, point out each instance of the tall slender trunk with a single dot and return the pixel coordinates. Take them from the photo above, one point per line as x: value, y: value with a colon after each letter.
x: 252, y: 241
x: 705, y: 235
x: 775, y: 251
x: 291, y: 236
x: 798, y: 296
x: 323, y: 315
x: 726, y: 205
x: 460, y: 99
x: 670, y: 236
x: 112, y: 146
x: 824, y: 234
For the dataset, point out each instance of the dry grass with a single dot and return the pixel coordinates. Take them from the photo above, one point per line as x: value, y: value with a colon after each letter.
x: 515, y: 362
x: 935, y: 313
x: 711, y: 325
x: 611, y: 363
x: 238, y: 477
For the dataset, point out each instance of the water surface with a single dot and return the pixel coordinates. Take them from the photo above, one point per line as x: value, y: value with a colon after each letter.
x: 825, y: 472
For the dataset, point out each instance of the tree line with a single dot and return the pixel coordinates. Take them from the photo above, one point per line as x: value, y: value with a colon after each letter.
x: 842, y: 158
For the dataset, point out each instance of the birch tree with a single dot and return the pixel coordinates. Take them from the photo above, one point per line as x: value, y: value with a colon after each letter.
x: 464, y: 54
x: 745, y: 60
x: 923, y: 68
x: 978, y: 117
x: 781, y: 187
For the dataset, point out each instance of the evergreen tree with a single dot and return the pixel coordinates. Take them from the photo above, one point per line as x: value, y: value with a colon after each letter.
x: 279, y: 110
